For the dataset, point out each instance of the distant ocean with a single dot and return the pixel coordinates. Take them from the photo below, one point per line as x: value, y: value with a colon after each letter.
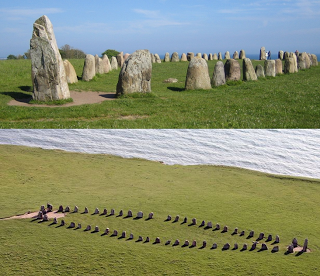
x: 285, y: 152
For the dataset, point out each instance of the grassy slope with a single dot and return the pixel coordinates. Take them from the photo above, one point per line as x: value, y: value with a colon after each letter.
x: 234, y: 197
x: 290, y: 101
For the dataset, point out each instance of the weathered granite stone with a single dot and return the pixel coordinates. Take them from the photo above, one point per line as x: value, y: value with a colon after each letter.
x: 303, y: 61
x: 42, y: 208
x: 205, y: 56
x: 112, y: 212
x: 120, y: 59
x: 49, y: 207
x: 261, y: 236
x: 147, y: 239
x: 264, y: 247
x: 203, y: 223
x: 251, y: 234
x: 236, y: 55
x: 124, y: 234
x: 198, y: 55
x: 120, y: 213
x: 169, y: 218
x: 278, y: 67
x: 270, y: 68
x: 235, y: 247
x: 214, y: 246
x: 185, y: 220
x: 105, y: 63
x: 226, y: 246
x: 140, y: 214
x: 150, y: 215
x: 184, y: 57
x: 67, y: 210
x: 209, y: 224
x: 242, y: 233
x: 105, y: 212
x: 215, y: 56
x: 260, y: 71
x: 96, y: 211
x: 277, y: 240
x: 115, y: 233
x: 262, y: 53
x: 219, y: 56
x: 62, y: 223
x: 55, y: 221
x: 114, y: 63
x: 204, y: 244
x: 275, y: 249
x: 217, y: 226
x: 254, y: 246
x: 176, y: 242
x: 98, y: 65
x: 167, y: 242
x: 45, y: 218
x: 89, y: 69
x: 248, y: 71
x: 194, y: 221
x: 218, y: 77
x: 131, y: 236
x: 79, y: 226
x: 314, y: 60
x: 245, y: 247
x: 157, y: 58
x: 135, y: 74
x: 289, y: 66
x: 232, y: 70
x: 290, y: 249
x: 129, y: 215
x: 186, y: 243
x: 88, y: 228
x: 197, y: 75
x: 225, y: 229
x: 210, y: 57
x: 176, y: 218
x: 235, y: 231
x: 295, y: 242
x: 125, y: 56
x: 106, y: 232
x: 47, y: 68
x: 305, y: 245
x: 157, y: 240
x: 175, y: 57
x: 286, y: 55
x: 140, y: 239
x: 86, y: 210
x: 153, y: 59
x: 71, y: 74
x: 190, y: 56
x: 166, y: 57
x: 227, y: 55
x: 242, y: 54
x: 72, y: 225
x: 194, y: 243
x: 281, y: 55
x: 76, y: 209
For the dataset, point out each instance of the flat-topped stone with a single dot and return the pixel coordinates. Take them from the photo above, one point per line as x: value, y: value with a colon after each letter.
x: 197, y: 75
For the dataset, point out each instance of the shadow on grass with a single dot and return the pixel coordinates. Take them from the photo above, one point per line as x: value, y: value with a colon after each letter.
x: 109, y: 96
x: 176, y: 89
x: 26, y: 88
x: 18, y: 96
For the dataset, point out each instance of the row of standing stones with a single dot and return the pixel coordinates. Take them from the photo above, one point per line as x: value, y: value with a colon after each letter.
x: 42, y: 215
x: 50, y: 75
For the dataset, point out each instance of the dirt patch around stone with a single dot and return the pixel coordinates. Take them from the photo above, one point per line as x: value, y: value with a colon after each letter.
x: 79, y: 98
x: 53, y: 214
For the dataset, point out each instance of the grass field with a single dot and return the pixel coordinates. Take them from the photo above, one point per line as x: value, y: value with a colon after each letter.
x: 249, y: 200
x: 288, y: 101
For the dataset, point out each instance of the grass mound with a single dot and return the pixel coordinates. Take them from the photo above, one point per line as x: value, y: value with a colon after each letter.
x: 248, y: 200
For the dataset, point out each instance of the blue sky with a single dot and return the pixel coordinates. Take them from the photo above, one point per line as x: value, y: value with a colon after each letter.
x: 205, y: 26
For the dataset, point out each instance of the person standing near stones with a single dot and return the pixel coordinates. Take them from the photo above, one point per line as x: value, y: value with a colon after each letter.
x: 266, y: 55
x: 269, y: 55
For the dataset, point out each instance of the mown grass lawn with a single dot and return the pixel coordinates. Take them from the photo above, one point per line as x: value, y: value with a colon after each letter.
x: 249, y: 200
x: 287, y: 101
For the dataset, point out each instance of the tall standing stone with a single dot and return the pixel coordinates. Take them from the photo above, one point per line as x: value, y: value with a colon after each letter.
x: 295, y: 61
x: 70, y: 72
x: 262, y: 53
x: 175, y: 57
x: 190, y: 56
x: 89, y: 70
x: 198, y: 55
x: 135, y: 74
x: 303, y: 61
x: 260, y: 71
x: 215, y: 56
x: 98, y: 65
x: 205, y: 56
x: 106, y: 66
x: 236, y: 55
x: 218, y: 77
x: 114, y: 63
x: 120, y: 59
x: 210, y: 57
x: 184, y: 57
x: 47, y: 68
x: 125, y: 57
x: 248, y: 71
x: 270, y: 68
x: 281, y: 55
x: 314, y: 60
x: 242, y: 54
x: 197, y: 75
x: 227, y: 55
x: 232, y: 70
x: 157, y: 58
x: 167, y: 57
x: 219, y: 56
x: 278, y: 64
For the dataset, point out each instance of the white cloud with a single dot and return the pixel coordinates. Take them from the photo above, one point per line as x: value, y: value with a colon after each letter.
x: 18, y: 14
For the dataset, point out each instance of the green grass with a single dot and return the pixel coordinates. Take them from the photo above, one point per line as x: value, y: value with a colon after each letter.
x: 286, y: 101
x: 31, y: 177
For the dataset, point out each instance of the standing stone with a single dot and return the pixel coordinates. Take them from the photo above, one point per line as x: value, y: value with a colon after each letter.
x: 286, y: 55
x: 47, y: 68
x: 232, y: 70
x: 79, y: 226
x: 260, y: 71
x: 86, y: 210
x: 198, y: 55
x: 125, y: 57
x: 242, y: 54
x: 295, y: 242
x: 167, y: 57
x: 140, y: 239
x: 153, y: 59
x: 203, y: 223
x: 168, y: 218
x: 114, y: 63
x: 197, y: 75
x: 88, y: 228
x: 236, y: 55
x: 226, y: 246
x: 150, y: 215
x: 157, y: 58
x: 194, y: 243
x: 105, y: 63
x: 42, y: 208
x: 72, y: 225
x: 120, y: 213
x: 277, y: 240
x: 194, y: 221
x: 262, y: 53
x: 120, y: 59
x: 219, y: 56
x: 105, y: 212
x: 261, y: 236
x: 295, y: 60
x: 186, y: 243
x: 270, y: 68
x: 235, y: 247
x: 275, y: 249
x: 106, y: 232
x: 135, y: 74
x: 184, y: 57
x: 214, y: 246
x: 254, y: 246
x: 204, y: 244
x: 305, y: 245
x: 242, y: 233
x: 96, y: 211
x: 129, y: 215
x: 235, y: 231
x: 55, y: 221
x: 157, y: 241
x: 71, y: 74
x: 264, y: 247
x: 269, y: 238
x: 217, y: 226
x: 251, y: 234
x: 218, y: 77
x: 89, y: 70
x: 140, y: 214
x: 278, y: 66
x: 215, y: 56
x: 303, y: 61
x: 112, y: 212
x: 210, y: 57
x: 225, y: 229
x: 98, y: 65
x: 227, y: 55
x: 248, y: 71
x: 290, y: 248
x: 205, y: 56
x: 123, y: 235
x: 131, y: 237
x: 190, y: 56
x: 76, y: 209
x: 209, y: 224
x: 175, y: 57
x: 115, y: 233
x: 67, y: 210
x: 62, y: 222
x: 176, y: 218
x: 177, y: 242
x: 289, y: 66
x: 245, y: 247
x: 281, y: 55
x: 314, y: 60
x: 49, y: 207
x: 185, y: 220
x: 45, y: 218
